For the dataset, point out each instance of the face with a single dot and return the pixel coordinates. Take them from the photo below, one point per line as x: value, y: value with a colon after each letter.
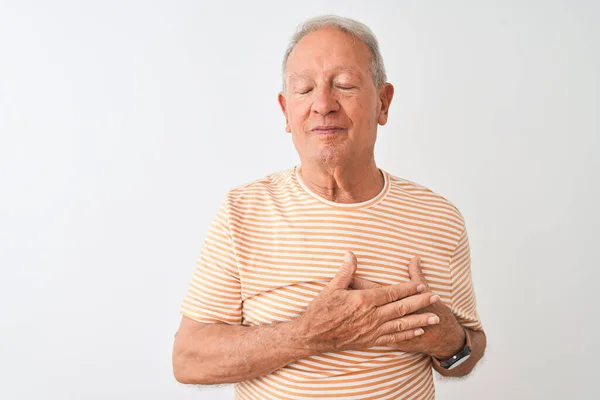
x: 331, y: 104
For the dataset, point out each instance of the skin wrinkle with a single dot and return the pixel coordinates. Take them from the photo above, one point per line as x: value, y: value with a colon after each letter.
x: 326, y: 104
x: 339, y: 167
x: 438, y: 339
x: 354, y: 41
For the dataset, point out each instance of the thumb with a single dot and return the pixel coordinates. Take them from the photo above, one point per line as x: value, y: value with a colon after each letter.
x: 342, y: 279
x: 415, y: 272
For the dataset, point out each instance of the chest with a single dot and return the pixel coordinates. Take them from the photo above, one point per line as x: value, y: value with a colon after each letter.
x: 283, y: 267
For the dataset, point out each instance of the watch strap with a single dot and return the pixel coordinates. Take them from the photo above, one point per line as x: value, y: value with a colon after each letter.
x: 460, y: 355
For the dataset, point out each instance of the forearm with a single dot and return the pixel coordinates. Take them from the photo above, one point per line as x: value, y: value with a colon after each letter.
x: 478, y: 344
x: 221, y: 353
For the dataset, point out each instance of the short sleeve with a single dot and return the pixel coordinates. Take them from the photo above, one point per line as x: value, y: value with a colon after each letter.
x: 214, y: 292
x: 463, y: 291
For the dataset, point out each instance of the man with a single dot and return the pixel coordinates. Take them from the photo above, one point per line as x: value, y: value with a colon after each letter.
x: 334, y: 278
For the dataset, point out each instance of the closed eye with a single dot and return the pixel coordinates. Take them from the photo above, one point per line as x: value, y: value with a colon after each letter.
x: 346, y: 87
x: 304, y: 91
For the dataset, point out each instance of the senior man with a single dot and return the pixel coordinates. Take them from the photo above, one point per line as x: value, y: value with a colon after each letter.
x: 333, y: 278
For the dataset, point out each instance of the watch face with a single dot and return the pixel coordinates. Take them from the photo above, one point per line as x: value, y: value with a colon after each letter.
x: 457, y: 359
x: 460, y: 361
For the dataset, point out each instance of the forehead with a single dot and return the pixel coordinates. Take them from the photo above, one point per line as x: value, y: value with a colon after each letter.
x: 328, y: 49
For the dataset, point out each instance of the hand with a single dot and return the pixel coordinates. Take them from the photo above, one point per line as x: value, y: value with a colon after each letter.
x: 441, y: 340
x: 343, y: 319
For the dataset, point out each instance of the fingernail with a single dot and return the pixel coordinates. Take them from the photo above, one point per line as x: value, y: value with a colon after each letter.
x: 433, y: 320
x: 348, y: 257
x: 419, y: 332
x: 420, y: 288
x: 434, y: 299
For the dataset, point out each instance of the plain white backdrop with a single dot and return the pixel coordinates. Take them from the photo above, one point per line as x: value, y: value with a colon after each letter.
x: 123, y: 123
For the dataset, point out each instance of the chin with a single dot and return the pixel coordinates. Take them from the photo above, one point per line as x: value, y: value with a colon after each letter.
x: 331, y: 156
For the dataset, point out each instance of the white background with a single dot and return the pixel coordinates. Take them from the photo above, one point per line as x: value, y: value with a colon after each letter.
x: 123, y: 123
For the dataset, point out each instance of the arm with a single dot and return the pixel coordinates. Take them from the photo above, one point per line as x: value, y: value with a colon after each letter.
x: 337, y: 319
x: 477, y: 342
x: 442, y: 340
x: 447, y: 338
x: 222, y: 353
x: 465, y: 313
x: 461, y: 324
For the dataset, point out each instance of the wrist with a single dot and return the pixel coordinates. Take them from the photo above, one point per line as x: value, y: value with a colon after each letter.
x: 301, y: 338
x: 457, y: 342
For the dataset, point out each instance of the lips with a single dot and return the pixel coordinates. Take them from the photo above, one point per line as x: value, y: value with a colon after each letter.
x: 327, y: 129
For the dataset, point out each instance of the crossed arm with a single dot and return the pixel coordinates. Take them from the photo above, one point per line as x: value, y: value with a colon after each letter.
x: 350, y: 313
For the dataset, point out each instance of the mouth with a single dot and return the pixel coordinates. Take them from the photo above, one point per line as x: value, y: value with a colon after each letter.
x: 327, y: 129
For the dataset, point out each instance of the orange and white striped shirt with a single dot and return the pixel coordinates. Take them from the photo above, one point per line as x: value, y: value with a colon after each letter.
x: 274, y: 245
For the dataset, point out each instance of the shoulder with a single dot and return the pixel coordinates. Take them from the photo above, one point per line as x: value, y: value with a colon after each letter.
x: 411, y: 193
x: 261, y: 191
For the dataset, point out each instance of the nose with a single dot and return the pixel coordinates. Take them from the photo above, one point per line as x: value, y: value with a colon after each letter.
x: 325, y: 101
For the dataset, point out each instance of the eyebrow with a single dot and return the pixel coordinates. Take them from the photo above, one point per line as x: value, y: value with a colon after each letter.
x: 305, y: 73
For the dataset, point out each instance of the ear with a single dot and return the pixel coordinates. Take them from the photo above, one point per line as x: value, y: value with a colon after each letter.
x: 282, y: 103
x: 386, y: 92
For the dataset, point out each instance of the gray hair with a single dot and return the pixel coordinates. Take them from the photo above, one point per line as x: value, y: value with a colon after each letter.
x: 353, y: 27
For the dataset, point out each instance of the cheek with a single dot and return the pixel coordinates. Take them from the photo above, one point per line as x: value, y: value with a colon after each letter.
x: 359, y: 114
x: 294, y: 108
x: 298, y: 114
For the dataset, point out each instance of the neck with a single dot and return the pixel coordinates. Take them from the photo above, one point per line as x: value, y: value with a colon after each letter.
x: 347, y: 183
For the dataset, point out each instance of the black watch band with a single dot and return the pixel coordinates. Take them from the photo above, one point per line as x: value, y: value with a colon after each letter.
x: 459, y: 357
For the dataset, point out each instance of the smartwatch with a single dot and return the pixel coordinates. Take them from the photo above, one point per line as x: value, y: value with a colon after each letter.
x: 460, y: 357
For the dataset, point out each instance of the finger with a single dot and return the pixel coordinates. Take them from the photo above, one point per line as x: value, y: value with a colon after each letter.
x: 343, y: 277
x: 390, y: 293
x: 397, y: 337
x: 411, y: 321
x: 406, y: 306
x: 360, y: 284
x: 415, y: 272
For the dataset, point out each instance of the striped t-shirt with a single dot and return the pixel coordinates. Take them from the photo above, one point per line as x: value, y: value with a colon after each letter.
x: 274, y: 245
